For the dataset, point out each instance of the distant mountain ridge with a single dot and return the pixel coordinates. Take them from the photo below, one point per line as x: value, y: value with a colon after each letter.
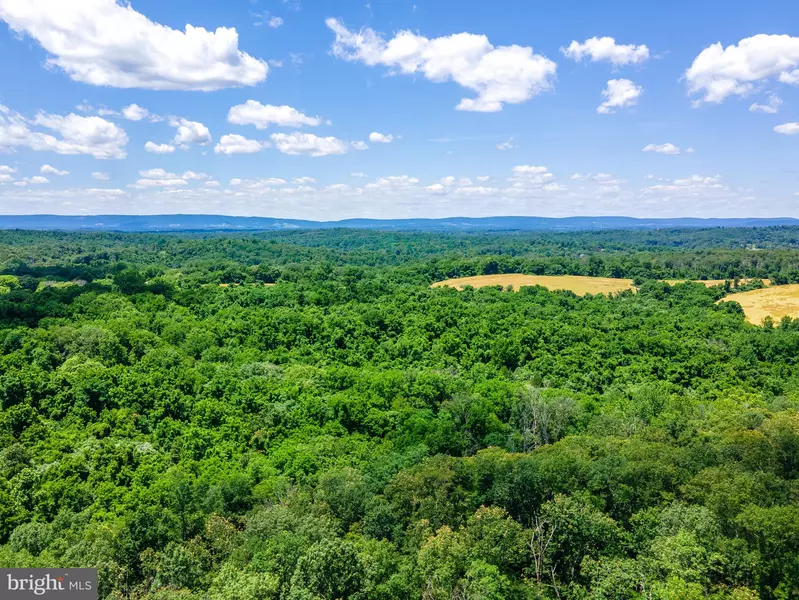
x: 162, y: 223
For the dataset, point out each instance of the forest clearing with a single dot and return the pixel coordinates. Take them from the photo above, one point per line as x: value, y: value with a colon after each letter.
x: 776, y: 302
x: 574, y: 283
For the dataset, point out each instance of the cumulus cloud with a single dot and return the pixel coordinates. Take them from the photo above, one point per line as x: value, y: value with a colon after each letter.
x: 275, y: 22
x: 506, y: 145
x: 79, y: 135
x: 307, y: 144
x: 48, y: 170
x: 380, y: 138
x: 359, y: 145
x: 498, y: 75
x: 718, y: 72
x: 147, y: 183
x: 771, y: 107
x: 107, y: 43
x: 192, y: 176
x: 662, y: 148
x: 100, y: 176
x: 159, y: 148
x: 262, y: 115
x: 134, y: 112
x: 303, y: 180
x: 526, y: 177
x: 190, y: 132
x: 606, y: 49
x: 787, y: 128
x: 159, y: 178
x: 238, y: 144
x: 620, y: 93
x: 37, y: 180
x: 395, y: 181
x: 5, y: 169
x: 529, y: 170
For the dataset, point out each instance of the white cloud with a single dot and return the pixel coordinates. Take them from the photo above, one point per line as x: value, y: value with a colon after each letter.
x: 506, y: 145
x: 397, y: 181
x: 307, y: 144
x: 5, y: 169
x: 529, y: 170
x: 159, y: 148
x: 192, y: 176
x: 380, y: 138
x: 190, y: 132
x: 359, y: 145
x: 262, y: 115
x: 235, y: 181
x: 498, y: 75
x: 48, y: 170
x: 358, y: 175
x: 666, y: 148
x: 275, y: 22
x: 606, y: 49
x: 100, y: 176
x: 212, y: 183
x: 134, y: 112
x: 303, y: 180
x: 483, y: 178
x: 620, y: 93
x: 173, y: 182
x: 159, y: 178
x: 787, y: 128
x: 106, y: 43
x: 719, y: 72
x: 695, y: 186
x: 527, y: 177
x: 157, y: 174
x: 579, y: 176
x: 238, y: 144
x: 771, y: 108
x: 5, y: 178
x: 436, y: 188
x: 79, y: 135
x: 37, y: 180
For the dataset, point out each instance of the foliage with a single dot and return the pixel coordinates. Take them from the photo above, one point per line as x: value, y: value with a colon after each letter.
x: 349, y: 432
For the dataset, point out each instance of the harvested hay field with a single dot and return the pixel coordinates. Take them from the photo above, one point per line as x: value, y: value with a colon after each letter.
x: 578, y: 285
x: 775, y: 302
x: 713, y: 282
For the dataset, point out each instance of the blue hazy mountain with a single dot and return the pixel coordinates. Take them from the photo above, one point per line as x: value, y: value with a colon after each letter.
x: 227, y: 223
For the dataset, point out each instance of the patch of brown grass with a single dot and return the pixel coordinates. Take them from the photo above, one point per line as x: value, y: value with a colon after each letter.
x: 577, y: 284
x: 713, y: 282
x: 775, y: 302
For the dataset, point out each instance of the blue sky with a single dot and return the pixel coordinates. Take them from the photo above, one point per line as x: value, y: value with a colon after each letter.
x: 399, y: 108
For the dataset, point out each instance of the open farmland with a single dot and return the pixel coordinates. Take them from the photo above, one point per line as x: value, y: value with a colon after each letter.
x: 714, y: 282
x: 775, y: 302
x: 577, y: 284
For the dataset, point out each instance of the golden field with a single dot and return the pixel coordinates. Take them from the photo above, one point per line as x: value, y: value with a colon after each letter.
x: 577, y: 284
x: 775, y: 302
x: 712, y: 282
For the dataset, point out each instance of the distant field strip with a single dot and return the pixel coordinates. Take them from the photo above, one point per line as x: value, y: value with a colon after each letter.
x: 775, y: 302
x: 577, y: 284
x: 713, y: 282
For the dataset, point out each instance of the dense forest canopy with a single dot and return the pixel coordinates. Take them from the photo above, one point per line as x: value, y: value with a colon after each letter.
x: 298, y: 416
